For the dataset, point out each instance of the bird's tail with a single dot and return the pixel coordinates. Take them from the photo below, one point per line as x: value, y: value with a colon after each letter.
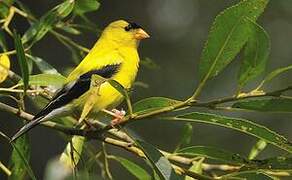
x: 26, y: 128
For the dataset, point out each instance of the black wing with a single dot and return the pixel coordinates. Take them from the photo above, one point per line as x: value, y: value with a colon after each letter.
x: 77, y: 88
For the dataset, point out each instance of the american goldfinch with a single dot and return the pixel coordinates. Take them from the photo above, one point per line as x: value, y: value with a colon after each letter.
x: 113, y: 56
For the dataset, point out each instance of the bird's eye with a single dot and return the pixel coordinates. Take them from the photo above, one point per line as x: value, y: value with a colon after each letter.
x: 132, y: 25
x: 128, y: 28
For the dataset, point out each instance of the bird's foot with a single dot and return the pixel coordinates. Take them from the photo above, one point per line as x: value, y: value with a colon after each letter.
x: 118, y: 117
x: 117, y: 114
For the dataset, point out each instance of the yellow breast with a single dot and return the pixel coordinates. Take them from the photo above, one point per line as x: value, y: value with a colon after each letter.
x: 108, y: 97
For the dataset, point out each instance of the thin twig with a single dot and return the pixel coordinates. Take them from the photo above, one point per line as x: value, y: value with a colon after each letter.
x: 5, y: 169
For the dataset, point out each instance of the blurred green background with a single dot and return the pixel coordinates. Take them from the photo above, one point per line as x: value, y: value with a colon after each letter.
x: 178, y: 31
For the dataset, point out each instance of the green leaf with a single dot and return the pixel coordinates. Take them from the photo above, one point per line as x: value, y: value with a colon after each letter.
x: 72, y: 153
x: 39, y: 29
x: 266, y: 105
x: 280, y: 163
x: 273, y: 74
x: 42, y: 65
x: 242, y: 125
x: 133, y: 168
x: 213, y: 153
x: 160, y: 163
x: 3, y: 44
x: 19, y: 164
x: 118, y: 87
x: 46, y: 80
x: 21, y: 60
x: 254, y: 175
x: 227, y: 36
x: 85, y: 6
x: 196, y: 168
x: 256, y: 53
x: 4, y: 7
x: 124, y: 92
x: 68, y: 28
x: 152, y: 104
x: 256, y: 149
x: 186, y: 138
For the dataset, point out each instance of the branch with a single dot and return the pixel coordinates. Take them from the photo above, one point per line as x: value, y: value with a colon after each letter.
x: 126, y: 142
x: 193, y: 103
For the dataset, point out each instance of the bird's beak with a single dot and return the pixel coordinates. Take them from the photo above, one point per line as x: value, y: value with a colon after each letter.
x: 141, y: 34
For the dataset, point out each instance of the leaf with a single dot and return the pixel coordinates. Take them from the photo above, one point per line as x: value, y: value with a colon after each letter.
x: 118, y: 87
x: 213, y: 153
x: 238, y: 124
x: 196, y: 168
x: 256, y: 53
x: 42, y: 65
x: 227, y: 36
x: 280, y: 163
x: 160, y: 163
x: 266, y: 105
x: 273, y: 74
x: 133, y: 168
x: 46, y: 80
x: 186, y: 138
x: 72, y: 153
x: 39, y: 29
x: 3, y: 44
x: 68, y: 28
x: 19, y: 164
x: 4, y: 67
x: 4, y: 7
x: 85, y: 6
x: 152, y: 104
x: 256, y: 149
x: 115, y: 84
x: 254, y: 175
x: 21, y: 60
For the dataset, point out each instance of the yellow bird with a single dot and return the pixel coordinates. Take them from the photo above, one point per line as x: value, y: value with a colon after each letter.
x: 114, y: 56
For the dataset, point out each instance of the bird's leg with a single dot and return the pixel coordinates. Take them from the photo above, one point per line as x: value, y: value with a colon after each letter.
x: 117, y: 114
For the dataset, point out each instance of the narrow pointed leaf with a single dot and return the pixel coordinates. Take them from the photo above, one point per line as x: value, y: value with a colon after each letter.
x: 280, y: 163
x: 3, y: 44
x: 153, y: 103
x: 160, y: 163
x: 256, y: 53
x: 46, y: 80
x: 133, y: 168
x: 19, y: 162
x: 118, y: 87
x: 266, y: 105
x: 84, y: 6
x: 213, y: 153
x: 257, y: 149
x: 43, y: 66
x: 274, y: 74
x: 4, y: 8
x: 186, y: 137
x: 39, y: 29
x: 227, y: 36
x: 254, y: 175
x: 242, y: 125
x: 21, y: 60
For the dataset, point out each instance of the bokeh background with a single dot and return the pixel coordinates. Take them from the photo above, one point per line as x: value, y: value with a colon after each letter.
x: 178, y: 31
